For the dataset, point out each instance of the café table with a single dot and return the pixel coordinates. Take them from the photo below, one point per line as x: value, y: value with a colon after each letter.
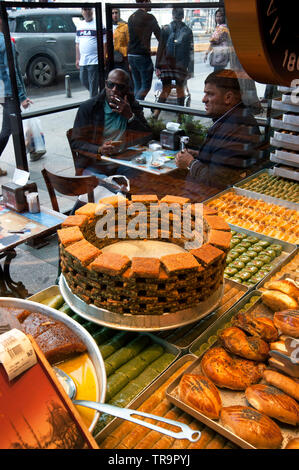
x: 17, y: 228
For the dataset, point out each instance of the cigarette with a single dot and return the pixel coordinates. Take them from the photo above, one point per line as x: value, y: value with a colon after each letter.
x: 117, y: 99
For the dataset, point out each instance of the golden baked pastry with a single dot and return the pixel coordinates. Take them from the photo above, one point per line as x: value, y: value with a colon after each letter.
x: 226, y: 371
x: 249, y: 347
x: 293, y: 443
x: 278, y: 300
x: 201, y: 394
x: 283, y: 382
x: 286, y: 286
x: 274, y: 403
x: 257, y: 429
x: 287, y: 322
x: 256, y: 326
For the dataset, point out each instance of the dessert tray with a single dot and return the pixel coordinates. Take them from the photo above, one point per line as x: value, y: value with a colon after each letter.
x: 139, y: 322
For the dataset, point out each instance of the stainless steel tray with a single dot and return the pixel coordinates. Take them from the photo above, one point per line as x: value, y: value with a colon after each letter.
x: 287, y: 138
x: 45, y: 294
x: 168, y: 348
x: 289, y: 99
x: 139, y: 322
x: 285, y: 158
x: 277, y: 268
x: 114, y: 425
x: 92, y: 348
x: 286, y: 172
x: 277, y: 104
x: 291, y: 119
x: 229, y: 397
x: 283, y: 144
x: 281, y: 124
x: 184, y: 336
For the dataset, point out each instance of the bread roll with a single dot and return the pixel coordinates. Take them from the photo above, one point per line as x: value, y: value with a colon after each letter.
x: 257, y: 429
x: 273, y: 403
x: 278, y: 301
x: 286, y: 287
x: 283, y: 382
x: 227, y: 371
x: 287, y: 322
x: 249, y: 347
x: 279, y: 346
x: 201, y: 394
x: 293, y: 443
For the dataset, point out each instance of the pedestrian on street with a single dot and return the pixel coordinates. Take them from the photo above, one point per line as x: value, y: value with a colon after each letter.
x: 141, y: 27
x: 87, y: 52
x: 8, y: 102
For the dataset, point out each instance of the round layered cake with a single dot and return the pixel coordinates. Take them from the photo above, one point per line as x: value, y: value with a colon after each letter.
x: 144, y: 256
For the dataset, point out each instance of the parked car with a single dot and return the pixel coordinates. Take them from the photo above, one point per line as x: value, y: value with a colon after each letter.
x: 45, y: 42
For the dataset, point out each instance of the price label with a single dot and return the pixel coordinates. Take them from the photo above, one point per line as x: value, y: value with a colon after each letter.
x: 16, y: 353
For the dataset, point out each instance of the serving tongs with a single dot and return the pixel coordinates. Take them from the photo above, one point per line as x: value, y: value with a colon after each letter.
x: 128, y: 414
x: 287, y: 362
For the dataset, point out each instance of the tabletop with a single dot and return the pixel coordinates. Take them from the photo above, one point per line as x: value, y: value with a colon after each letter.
x: 20, y: 227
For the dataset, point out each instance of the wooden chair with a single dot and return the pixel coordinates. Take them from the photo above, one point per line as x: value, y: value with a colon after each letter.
x: 75, y: 153
x: 69, y: 186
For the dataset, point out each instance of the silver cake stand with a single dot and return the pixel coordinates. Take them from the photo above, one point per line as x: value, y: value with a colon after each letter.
x: 131, y: 322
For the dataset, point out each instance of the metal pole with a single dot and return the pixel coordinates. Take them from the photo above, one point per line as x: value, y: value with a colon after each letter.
x: 100, y: 43
x: 110, y: 49
x: 16, y: 119
x: 67, y: 82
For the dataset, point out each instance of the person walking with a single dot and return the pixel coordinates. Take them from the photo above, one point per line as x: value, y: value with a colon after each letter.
x: 87, y: 52
x: 141, y: 27
x: 8, y: 102
x: 219, y: 47
x: 175, y: 58
x: 120, y: 40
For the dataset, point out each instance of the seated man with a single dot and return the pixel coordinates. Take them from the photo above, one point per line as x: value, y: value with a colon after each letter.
x: 106, y: 124
x: 232, y: 140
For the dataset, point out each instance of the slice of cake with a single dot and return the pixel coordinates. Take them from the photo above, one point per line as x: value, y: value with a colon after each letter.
x: 207, y: 254
x: 75, y: 220
x: 69, y: 235
x: 110, y: 263
x: 179, y: 262
x: 145, y: 267
x: 220, y: 239
x: 84, y: 251
x: 175, y: 199
x: 217, y: 223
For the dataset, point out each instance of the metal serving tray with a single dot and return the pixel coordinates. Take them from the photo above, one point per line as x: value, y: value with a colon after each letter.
x: 256, y: 195
x: 139, y: 322
x: 289, y: 99
x: 229, y: 397
x: 283, y: 144
x: 92, y: 348
x: 184, y: 336
x: 45, y: 294
x: 287, y: 138
x: 168, y: 348
x: 286, y: 172
x: 285, y: 158
x: 111, y: 427
x: 277, y: 104
x: 291, y: 119
x: 277, y: 268
x: 281, y: 124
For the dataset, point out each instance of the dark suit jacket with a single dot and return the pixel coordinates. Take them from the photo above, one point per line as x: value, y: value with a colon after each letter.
x: 232, y: 141
x: 89, y: 124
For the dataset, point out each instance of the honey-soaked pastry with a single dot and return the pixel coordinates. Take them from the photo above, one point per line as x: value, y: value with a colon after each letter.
x: 278, y: 300
x: 283, y: 382
x: 286, y: 286
x: 293, y: 444
x: 226, y: 371
x: 287, y: 322
x: 201, y: 394
x: 274, y: 403
x: 254, y: 427
x: 249, y: 347
x: 260, y: 326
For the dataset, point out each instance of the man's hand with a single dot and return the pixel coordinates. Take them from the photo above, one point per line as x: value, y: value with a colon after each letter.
x: 26, y: 103
x: 109, y: 147
x: 121, y: 106
x: 158, y: 72
x: 77, y: 64
x: 184, y: 159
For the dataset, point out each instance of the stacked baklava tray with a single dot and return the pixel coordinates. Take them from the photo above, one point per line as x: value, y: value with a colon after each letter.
x: 142, y: 285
